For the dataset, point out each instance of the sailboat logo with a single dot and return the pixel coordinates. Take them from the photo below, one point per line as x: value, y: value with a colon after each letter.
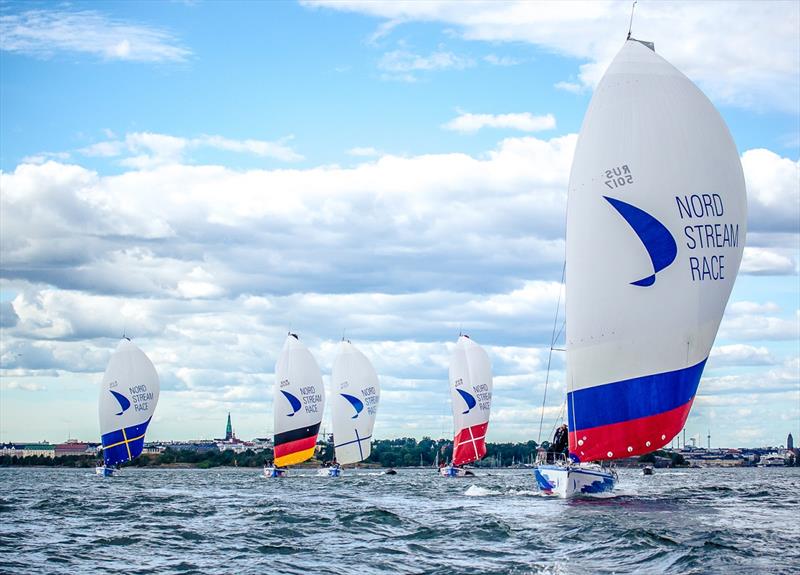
x: 654, y: 235
x: 357, y: 404
x: 124, y: 402
x: 469, y: 399
x: 293, y: 401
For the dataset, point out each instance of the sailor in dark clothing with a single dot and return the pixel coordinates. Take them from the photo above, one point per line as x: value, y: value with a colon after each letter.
x: 560, y: 441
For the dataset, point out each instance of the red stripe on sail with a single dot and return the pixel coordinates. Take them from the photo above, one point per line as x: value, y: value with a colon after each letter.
x: 628, y: 438
x: 295, y: 446
x: 470, y: 444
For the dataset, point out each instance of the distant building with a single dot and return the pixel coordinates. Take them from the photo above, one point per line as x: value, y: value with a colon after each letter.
x: 229, y: 429
x: 74, y: 447
x: 790, y: 442
x: 43, y: 449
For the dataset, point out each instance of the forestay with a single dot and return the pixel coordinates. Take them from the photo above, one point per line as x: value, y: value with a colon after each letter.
x: 128, y: 397
x: 471, y: 397
x: 298, y: 403
x: 656, y: 224
x: 356, y: 390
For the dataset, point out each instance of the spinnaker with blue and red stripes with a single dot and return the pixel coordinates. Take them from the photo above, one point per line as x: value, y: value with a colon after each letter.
x: 656, y: 224
x: 128, y: 397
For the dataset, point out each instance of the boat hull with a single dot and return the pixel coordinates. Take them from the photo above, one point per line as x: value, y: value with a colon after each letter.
x: 330, y: 472
x: 451, y: 471
x: 104, y: 471
x: 274, y: 472
x: 573, y: 480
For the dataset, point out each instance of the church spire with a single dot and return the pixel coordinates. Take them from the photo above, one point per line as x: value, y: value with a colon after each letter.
x: 229, y: 429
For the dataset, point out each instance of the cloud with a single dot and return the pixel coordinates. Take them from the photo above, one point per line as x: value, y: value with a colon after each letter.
x: 759, y: 261
x: 524, y: 122
x: 364, y: 152
x: 772, y: 191
x: 45, y: 33
x: 24, y: 386
x: 145, y: 150
x: 496, y: 60
x: 717, y: 44
x: 739, y: 355
x: 402, y: 64
x: 208, y: 267
x: 571, y: 87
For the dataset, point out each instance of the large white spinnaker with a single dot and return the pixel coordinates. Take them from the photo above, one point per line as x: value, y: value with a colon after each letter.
x: 356, y: 393
x: 298, y: 403
x: 128, y: 397
x: 471, y: 398
x: 656, y: 224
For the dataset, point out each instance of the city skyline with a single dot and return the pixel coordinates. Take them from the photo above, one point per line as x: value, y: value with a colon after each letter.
x: 206, y: 177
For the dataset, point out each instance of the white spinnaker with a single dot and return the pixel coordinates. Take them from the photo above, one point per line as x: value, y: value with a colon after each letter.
x: 299, y: 396
x: 356, y: 393
x: 129, y: 389
x: 471, y: 372
x: 648, y: 121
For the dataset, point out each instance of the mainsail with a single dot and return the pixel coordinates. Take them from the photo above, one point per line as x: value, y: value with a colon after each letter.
x: 128, y: 398
x: 356, y: 391
x: 298, y: 403
x: 656, y: 223
x: 471, y: 396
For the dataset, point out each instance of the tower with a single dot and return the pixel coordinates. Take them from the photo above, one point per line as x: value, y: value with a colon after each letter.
x: 709, y: 440
x: 790, y: 442
x: 229, y: 429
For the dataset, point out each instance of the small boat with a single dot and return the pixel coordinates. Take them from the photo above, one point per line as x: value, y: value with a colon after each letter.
x: 390, y: 472
x: 330, y: 471
x: 654, y: 166
x: 471, y: 399
x: 272, y: 471
x: 647, y: 470
x: 357, y: 391
x: 298, y: 404
x: 773, y: 459
x: 128, y: 397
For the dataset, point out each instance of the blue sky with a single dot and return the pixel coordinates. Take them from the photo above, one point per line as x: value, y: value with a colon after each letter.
x: 206, y: 175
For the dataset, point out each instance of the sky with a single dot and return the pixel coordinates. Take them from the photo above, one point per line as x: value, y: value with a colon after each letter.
x: 206, y: 176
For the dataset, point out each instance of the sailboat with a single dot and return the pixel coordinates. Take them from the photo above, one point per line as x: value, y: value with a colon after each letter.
x: 471, y: 399
x: 298, y: 403
x: 656, y: 223
x: 128, y: 397
x: 356, y: 393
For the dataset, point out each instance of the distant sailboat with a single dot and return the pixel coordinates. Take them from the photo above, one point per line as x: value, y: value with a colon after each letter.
x: 128, y: 397
x: 471, y: 397
x: 356, y: 393
x: 298, y: 404
x: 656, y: 223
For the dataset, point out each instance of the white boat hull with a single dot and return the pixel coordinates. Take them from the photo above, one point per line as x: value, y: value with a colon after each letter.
x: 330, y: 472
x: 275, y: 472
x: 573, y: 480
x: 104, y: 471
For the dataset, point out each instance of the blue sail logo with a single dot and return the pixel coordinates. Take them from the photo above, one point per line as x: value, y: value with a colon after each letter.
x: 124, y: 402
x: 357, y: 404
x: 293, y: 402
x: 654, y: 235
x: 467, y: 398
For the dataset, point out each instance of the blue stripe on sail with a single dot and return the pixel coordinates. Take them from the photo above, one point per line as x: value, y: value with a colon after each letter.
x: 357, y: 440
x: 633, y: 398
x: 123, y: 444
x: 654, y: 235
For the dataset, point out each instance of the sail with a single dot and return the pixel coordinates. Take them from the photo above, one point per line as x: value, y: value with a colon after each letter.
x: 656, y: 223
x: 298, y: 403
x: 356, y: 393
x: 128, y: 397
x: 471, y: 396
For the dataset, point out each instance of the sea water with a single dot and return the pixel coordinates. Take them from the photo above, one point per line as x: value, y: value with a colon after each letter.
x: 236, y: 521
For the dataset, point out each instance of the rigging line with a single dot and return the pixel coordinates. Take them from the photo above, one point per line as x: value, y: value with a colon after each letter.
x: 630, y: 24
x: 550, y: 353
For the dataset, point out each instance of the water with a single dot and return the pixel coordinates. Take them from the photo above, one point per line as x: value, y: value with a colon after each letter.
x: 235, y: 521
